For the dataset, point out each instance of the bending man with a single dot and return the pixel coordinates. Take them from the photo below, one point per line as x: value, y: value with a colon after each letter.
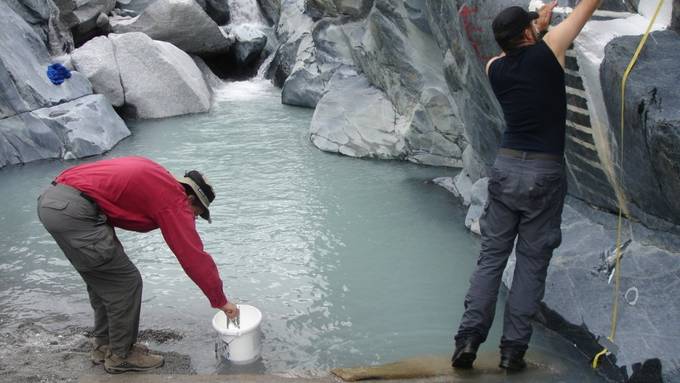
x: 80, y: 211
x: 527, y: 185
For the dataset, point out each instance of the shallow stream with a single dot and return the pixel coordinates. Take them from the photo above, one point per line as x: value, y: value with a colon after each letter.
x: 352, y: 262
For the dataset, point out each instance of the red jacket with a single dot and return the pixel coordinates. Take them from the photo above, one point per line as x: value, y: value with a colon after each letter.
x: 138, y: 194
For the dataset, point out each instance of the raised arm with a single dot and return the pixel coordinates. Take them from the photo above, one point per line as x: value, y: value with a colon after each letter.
x: 561, y: 36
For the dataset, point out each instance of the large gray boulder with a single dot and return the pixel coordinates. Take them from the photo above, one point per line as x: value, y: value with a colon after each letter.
x: 180, y: 22
x: 80, y: 128
x: 159, y: 79
x: 651, y: 162
x: 356, y: 119
x: 85, y: 13
x: 96, y: 60
x: 23, y: 65
x: 249, y: 42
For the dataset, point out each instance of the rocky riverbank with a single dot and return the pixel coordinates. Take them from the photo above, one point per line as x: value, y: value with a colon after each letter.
x: 390, y: 80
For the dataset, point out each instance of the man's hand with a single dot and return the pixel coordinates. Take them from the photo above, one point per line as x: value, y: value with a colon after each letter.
x: 544, y: 16
x: 231, y: 310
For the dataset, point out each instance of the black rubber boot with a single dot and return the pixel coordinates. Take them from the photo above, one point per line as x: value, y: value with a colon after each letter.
x: 465, y: 354
x: 512, y: 360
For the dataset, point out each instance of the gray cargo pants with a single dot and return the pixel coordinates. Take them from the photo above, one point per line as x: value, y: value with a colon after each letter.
x: 90, y: 244
x: 525, y: 203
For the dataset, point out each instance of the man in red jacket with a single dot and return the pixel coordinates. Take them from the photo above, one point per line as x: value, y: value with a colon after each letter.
x: 80, y: 211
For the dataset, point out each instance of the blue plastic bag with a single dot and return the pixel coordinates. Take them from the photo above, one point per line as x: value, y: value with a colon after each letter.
x: 57, y: 73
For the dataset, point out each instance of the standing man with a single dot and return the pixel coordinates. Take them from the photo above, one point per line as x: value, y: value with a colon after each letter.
x: 80, y: 211
x: 527, y: 185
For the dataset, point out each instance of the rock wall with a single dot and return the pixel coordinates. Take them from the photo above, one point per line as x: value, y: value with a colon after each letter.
x: 413, y: 53
x: 39, y: 119
x: 651, y: 140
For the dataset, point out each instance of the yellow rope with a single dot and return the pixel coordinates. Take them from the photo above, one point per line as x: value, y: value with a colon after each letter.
x: 617, y: 266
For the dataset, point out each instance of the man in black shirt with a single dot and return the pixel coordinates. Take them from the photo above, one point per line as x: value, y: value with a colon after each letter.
x: 527, y: 185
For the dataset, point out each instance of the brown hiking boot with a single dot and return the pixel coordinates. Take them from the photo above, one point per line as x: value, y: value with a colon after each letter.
x: 98, y: 353
x: 138, y: 359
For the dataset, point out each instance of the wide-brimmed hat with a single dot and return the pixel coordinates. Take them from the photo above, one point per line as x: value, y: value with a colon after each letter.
x: 511, y: 22
x: 201, y: 188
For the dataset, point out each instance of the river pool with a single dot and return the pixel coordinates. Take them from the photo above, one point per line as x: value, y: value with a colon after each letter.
x: 352, y: 262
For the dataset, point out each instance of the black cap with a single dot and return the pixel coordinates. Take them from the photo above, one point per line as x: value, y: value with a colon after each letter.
x: 510, y: 24
x: 201, y: 188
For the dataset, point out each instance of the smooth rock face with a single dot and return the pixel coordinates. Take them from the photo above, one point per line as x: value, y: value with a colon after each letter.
x: 357, y: 120
x: 23, y: 65
x: 416, y: 52
x: 84, y: 127
x: 158, y: 78
x: 651, y: 162
x: 180, y: 22
x: 413, y: 51
x: 319, y: 56
x: 96, y: 60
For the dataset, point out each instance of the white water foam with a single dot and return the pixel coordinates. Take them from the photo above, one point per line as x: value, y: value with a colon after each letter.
x: 244, y: 90
x: 245, y: 12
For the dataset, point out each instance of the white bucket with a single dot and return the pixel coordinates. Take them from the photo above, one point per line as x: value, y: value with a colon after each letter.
x: 240, y: 345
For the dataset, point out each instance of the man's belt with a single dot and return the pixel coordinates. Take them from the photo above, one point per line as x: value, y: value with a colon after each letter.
x: 87, y: 197
x: 528, y: 155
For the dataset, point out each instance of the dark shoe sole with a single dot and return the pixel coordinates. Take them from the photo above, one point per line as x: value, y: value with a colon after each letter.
x: 464, y: 360
x: 120, y: 370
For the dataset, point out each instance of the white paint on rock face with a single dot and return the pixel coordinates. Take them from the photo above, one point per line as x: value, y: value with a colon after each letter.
x: 647, y: 8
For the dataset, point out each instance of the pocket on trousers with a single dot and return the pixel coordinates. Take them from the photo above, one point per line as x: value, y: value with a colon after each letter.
x: 53, y: 204
x: 546, y: 188
x: 93, y: 250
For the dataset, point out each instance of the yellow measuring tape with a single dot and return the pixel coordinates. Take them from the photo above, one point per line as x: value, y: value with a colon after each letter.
x: 617, y: 267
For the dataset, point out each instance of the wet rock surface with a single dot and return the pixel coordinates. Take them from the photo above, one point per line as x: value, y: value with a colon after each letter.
x: 64, y: 353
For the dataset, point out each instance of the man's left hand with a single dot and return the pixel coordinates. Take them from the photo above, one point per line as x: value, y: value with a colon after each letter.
x: 544, y: 16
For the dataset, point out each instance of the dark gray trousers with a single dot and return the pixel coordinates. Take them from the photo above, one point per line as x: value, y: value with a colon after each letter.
x: 525, y: 203
x: 90, y: 244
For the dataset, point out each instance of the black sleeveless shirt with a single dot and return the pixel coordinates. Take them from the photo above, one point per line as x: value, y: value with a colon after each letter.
x: 529, y: 84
